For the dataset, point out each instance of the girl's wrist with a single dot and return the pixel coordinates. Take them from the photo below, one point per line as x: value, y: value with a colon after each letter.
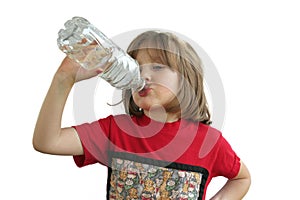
x: 64, y: 79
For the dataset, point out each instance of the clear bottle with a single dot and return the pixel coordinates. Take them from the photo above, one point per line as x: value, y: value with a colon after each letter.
x: 89, y: 47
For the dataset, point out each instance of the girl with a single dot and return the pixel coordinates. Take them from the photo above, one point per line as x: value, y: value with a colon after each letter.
x: 164, y: 147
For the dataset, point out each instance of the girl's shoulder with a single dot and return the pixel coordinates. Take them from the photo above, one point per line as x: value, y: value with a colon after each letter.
x: 118, y: 119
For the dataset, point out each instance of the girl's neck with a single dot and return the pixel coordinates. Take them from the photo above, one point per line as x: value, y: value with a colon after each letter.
x: 159, y: 114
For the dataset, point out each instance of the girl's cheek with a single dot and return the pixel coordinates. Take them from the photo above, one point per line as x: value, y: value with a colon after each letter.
x: 171, y: 82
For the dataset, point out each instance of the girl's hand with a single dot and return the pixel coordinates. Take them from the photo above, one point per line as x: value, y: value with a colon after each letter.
x: 71, y: 71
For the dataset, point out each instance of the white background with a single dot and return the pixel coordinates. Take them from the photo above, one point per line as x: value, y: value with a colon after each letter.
x: 255, y: 46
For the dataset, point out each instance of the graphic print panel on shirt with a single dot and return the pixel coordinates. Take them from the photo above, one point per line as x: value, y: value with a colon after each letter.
x: 134, y: 177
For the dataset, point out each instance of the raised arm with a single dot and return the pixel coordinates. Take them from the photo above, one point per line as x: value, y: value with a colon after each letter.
x: 49, y: 137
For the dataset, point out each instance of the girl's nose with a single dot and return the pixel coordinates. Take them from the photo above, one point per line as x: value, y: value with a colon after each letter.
x: 146, y: 74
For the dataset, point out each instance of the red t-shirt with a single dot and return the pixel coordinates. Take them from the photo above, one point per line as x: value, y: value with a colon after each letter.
x: 147, y: 159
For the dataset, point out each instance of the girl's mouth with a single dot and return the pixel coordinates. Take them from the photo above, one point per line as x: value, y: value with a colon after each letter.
x: 145, y: 91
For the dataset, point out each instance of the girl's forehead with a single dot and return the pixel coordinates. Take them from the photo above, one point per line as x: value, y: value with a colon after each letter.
x: 146, y: 56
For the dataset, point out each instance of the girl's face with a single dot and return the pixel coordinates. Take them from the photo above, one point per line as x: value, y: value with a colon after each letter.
x: 162, y: 83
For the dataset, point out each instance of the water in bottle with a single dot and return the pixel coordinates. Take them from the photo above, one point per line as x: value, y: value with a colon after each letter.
x: 89, y: 47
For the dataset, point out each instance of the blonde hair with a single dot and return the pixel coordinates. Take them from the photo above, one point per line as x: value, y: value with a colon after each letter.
x: 180, y: 56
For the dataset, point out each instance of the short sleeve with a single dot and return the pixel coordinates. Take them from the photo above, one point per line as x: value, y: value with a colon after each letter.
x: 227, y: 163
x: 85, y: 159
x: 94, y: 140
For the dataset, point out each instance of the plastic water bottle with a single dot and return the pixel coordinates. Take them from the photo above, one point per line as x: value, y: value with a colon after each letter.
x: 89, y: 47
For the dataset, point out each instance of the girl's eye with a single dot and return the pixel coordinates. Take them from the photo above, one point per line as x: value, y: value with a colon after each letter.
x: 157, y: 67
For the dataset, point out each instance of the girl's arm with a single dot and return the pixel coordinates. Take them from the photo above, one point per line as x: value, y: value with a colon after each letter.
x: 236, y: 188
x: 48, y: 135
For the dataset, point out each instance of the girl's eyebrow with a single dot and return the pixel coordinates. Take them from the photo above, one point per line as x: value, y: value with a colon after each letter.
x: 151, y: 64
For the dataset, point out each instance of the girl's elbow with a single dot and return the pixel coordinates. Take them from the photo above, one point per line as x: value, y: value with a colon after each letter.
x: 40, y: 146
